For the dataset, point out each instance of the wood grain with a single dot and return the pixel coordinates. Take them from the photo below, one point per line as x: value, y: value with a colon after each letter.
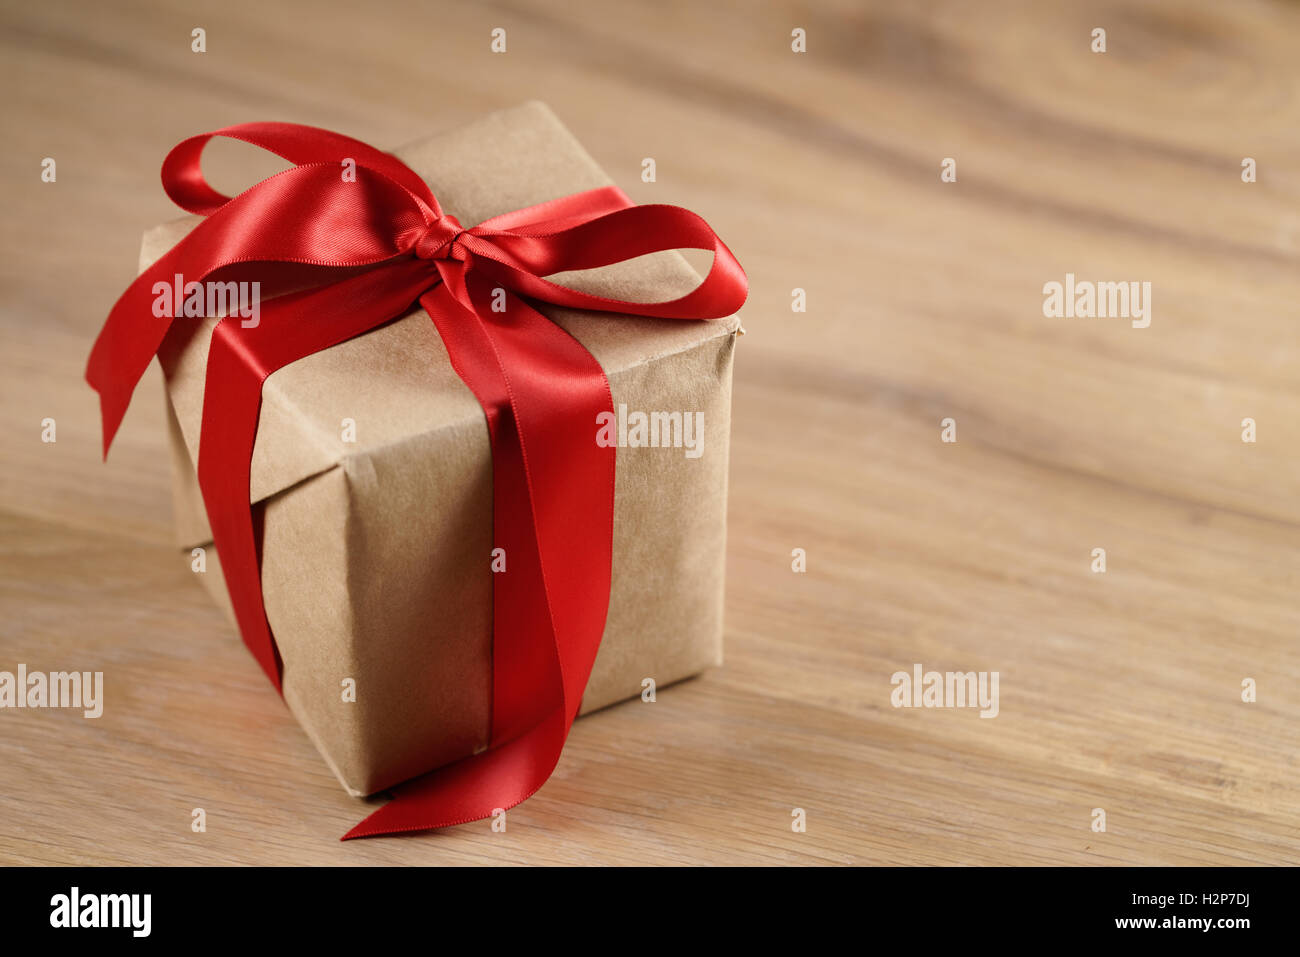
x: 821, y: 170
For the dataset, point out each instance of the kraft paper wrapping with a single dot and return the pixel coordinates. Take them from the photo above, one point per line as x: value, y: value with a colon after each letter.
x: 375, y: 553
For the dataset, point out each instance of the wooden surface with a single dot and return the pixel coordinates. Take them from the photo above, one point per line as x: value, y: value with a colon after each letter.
x: 1119, y: 691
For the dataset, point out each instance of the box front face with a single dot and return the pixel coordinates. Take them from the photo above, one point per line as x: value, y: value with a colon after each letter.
x: 419, y: 581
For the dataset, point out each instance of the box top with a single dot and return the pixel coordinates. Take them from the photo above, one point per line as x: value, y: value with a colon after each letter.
x: 396, y: 382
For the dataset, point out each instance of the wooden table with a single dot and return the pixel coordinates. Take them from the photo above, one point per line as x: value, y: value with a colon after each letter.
x: 1119, y: 690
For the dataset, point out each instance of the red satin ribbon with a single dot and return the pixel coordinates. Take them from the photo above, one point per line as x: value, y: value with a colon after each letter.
x: 373, y: 248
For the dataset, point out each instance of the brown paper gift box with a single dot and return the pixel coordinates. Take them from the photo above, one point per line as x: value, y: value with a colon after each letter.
x: 376, y: 553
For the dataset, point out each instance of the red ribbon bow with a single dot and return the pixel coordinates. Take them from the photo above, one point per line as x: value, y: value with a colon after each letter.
x: 368, y: 248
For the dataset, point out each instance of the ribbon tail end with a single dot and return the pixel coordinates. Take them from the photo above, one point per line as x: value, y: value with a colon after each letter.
x: 108, y: 426
x: 110, y: 414
x: 382, y: 822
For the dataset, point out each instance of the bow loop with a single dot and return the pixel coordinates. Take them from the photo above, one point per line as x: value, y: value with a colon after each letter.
x: 182, y: 171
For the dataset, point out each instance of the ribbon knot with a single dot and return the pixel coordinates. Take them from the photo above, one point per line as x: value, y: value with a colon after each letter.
x: 438, y: 240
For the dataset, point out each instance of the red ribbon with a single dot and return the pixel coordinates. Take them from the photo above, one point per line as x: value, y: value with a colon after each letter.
x: 368, y: 249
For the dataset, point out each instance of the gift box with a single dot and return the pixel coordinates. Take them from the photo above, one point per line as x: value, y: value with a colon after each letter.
x: 372, y: 486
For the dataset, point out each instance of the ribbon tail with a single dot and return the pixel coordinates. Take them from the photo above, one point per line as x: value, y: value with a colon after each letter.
x: 473, y: 788
x: 553, y: 512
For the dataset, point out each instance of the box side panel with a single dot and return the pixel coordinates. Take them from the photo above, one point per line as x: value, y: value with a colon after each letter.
x: 665, y: 608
